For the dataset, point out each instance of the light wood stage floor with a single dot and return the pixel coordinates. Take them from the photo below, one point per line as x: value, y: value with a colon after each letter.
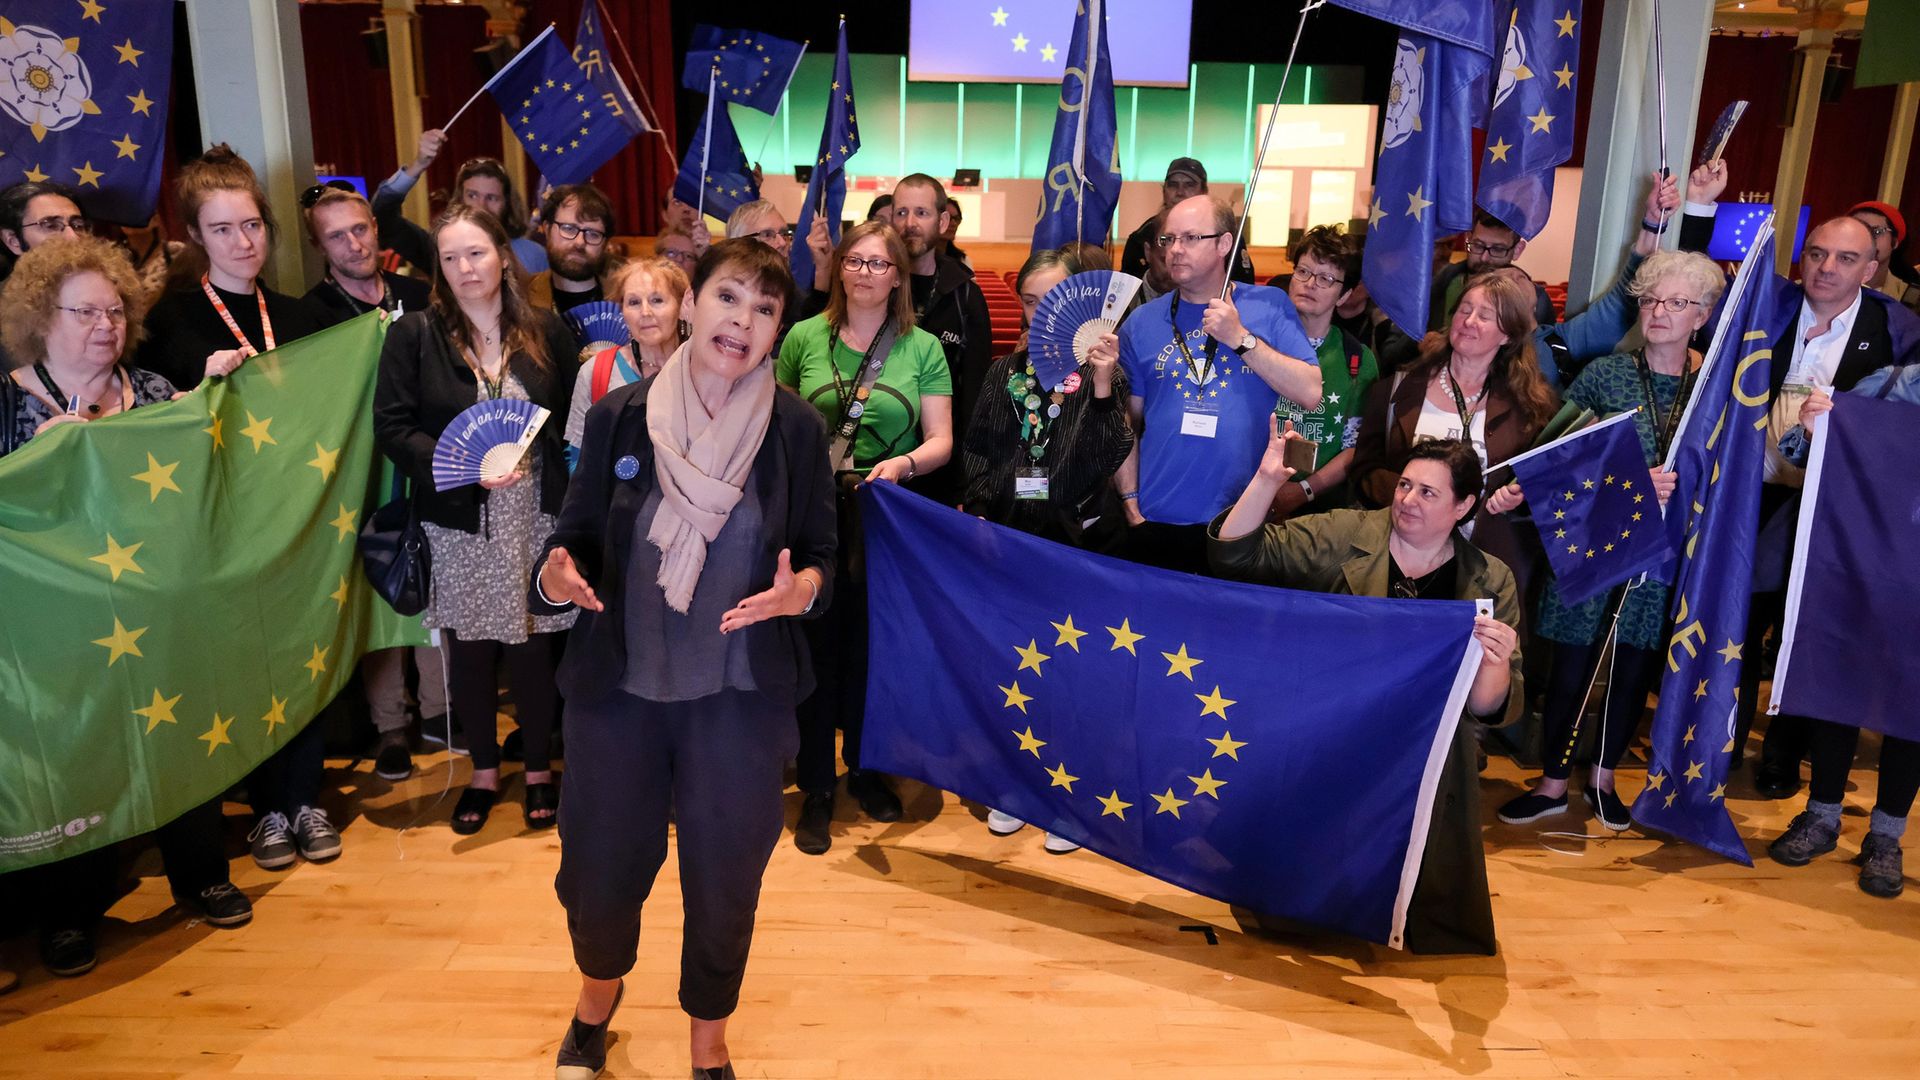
x: 930, y: 948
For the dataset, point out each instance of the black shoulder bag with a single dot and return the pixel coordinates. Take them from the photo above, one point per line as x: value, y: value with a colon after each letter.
x: 394, y: 552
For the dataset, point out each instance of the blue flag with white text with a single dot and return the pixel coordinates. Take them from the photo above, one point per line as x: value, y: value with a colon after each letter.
x: 558, y: 113
x: 593, y: 56
x: 715, y: 162
x: 1260, y: 746
x: 1423, y: 178
x: 754, y: 67
x: 1081, y: 187
x: 1530, y: 130
x: 1595, y: 508
x: 827, y: 189
x: 1719, y: 458
x: 84, y: 88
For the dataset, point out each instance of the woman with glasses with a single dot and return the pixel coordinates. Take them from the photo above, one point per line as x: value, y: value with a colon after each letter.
x: 1326, y: 270
x: 649, y: 292
x: 1676, y: 292
x: 883, y: 386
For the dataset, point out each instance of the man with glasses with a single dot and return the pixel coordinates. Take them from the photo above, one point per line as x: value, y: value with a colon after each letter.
x: 35, y: 212
x: 946, y: 301
x: 762, y: 221
x: 1491, y: 245
x: 1889, y: 229
x: 1208, y: 369
x: 579, y: 231
x: 1326, y: 269
x: 340, y: 224
x: 1186, y: 177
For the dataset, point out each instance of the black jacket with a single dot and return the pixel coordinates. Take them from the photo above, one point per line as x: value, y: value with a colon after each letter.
x: 597, y: 528
x: 956, y: 313
x: 334, y: 305
x: 183, y: 329
x: 424, y: 383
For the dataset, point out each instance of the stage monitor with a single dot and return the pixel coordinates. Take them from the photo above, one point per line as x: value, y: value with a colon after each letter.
x: 1026, y: 40
x: 1734, y: 225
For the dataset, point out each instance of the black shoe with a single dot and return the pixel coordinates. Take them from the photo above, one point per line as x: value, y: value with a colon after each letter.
x: 1880, y: 866
x: 876, y: 796
x: 723, y: 1072
x: 1607, y: 809
x: 1774, y: 782
x: 583, y: 1051
x: 218, y: 905
x: 1522, y: 809
x: 1807, y: 837
x: 70, y: 952
x: 513, y: 747
x: 811, y: 833
x: 440, y: 731
x: 393, y: 762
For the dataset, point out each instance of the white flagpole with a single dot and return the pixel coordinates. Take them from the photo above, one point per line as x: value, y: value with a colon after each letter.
x: 706, y: 143
x: 488, y: 85
x: 1095, y: 13
x: 1253, y: 180
x: 768, y: 137
x: 1660, y: 81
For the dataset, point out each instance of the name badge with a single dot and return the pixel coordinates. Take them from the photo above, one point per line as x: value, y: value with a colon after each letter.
x: 1030, y: 484
x: 1200, y: 424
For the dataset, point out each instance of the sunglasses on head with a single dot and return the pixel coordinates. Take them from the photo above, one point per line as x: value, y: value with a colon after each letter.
x: 312, y: 194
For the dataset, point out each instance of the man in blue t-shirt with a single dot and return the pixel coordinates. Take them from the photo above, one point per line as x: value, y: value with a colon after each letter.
x: 1202, y: 395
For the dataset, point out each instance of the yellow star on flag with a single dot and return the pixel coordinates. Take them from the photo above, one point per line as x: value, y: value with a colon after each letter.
x: 1375, y: 215
x: 1020, y: 43
x: 1124, y: 637
x: 276, y: 715
x: 1541, y: 121
x: 1656, y: 779
x: 999, y: 19
x: 214, y: 429
x: 1693, y: 770
x: 1031, y: 657
x: 1069, y: 636
x: 160, y: 712
x: 1687, y: 736
x: 129, y: 54
x: 256, y: 430
x: 1205, y: 784
x: 339, y: 595
x: 35, y: 175
x: 121, y: 642
x: 1214, y: 704
x: 1566, y: 23
x: 1027, y: 741
x: 1498, y: 149
x: 1586, y: 485
x: 344, y: 522
x: 216, y: 735
x: 1113, y: 805
x: 1226, y: 745
x: 1180, y: 663
x: 1625, y: 484
x: 118, y: 560
x: 158, y: 478
x: 1062, y: 778
x: 90, y: 10
x: 1730, y: 653
x: 324, y: 460
x: 1015, y: 699
x: 1169, y: 803
x: 127, y: 147
x: 1699, y: 692
x: 1048, y: 52
x: 1563, y: 77
x: 316, y: 664
x: 1671, y: 795
x: 87, y: 175
x: 1417, y: 203
x: 1719, y: 792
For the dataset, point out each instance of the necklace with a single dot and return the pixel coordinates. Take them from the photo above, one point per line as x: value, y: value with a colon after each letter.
x: 71, y: 404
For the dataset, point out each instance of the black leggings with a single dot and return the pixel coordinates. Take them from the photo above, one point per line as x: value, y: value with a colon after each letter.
x: 1634, y: 670
x: 290, y: 778
x: 838, y: 640
x: 475, y: 697
x: 1833, y: 746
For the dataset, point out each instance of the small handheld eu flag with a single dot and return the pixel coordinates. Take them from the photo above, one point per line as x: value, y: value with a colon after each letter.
x: 565, y: 122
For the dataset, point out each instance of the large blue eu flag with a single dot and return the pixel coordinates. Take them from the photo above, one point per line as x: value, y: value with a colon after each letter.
x: 714, y: 174
x: 1423, y: 180
x: 754, y: 68
x: 1082, y: 185
x: 1530, y: 130
x: 1719, y: 456
x: 83, y: 100
x: 557, y: 110
x: 827, y: 189
x: 1259, y: 746
x: 591, y: 55
x: 1594, y: 507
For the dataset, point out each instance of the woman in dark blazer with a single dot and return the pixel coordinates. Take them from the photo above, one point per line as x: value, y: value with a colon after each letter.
x: 480, y: 340
x: 699, y: 527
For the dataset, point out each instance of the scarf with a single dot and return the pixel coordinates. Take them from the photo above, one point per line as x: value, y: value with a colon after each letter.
x: 701, y: 464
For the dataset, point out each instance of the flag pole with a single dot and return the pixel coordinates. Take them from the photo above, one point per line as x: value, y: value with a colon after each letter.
x: 821, y: 210
x: 1660, y: 82
x: 1096, y: 15
x: 1253, y: 180
x: 639, y: 89
x: 488, y: 85
x: 706, y: 142
x: 768, y: 137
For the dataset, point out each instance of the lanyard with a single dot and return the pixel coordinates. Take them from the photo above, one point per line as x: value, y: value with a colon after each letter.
x: 1036, y: 415
x: 353, y: 302
x: 1663, y: 426
x: 1460, y: 404
x: 853, y: 397
x: 492, y: 388
x: 1194, y: 370
x: 219, y: 305
x: 61, y: 401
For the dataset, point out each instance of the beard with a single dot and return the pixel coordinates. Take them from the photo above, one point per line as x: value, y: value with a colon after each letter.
x: 579, y: 266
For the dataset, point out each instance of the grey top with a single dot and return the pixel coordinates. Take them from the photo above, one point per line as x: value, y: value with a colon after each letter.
x: 675, y: 657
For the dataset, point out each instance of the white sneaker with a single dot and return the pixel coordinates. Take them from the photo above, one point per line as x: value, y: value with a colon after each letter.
x: 1060, y: 845
x: 1000, y: 824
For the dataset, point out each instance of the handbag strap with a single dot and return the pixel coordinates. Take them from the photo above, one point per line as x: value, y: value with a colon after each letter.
x: 854, y: 408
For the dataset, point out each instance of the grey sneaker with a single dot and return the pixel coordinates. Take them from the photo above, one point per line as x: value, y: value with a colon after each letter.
x: 1880, y: 866
x: 316, y: 837
x: 272, y: 840
x: 1808, y: 837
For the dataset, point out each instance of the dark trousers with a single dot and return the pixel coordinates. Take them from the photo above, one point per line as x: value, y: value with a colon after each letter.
x: 1785, y: 746
x: 1833, y: 745
x: 290, y: 778
x: 475, y: 696
x: 1633, y: 673
x: 717, y: 764
x: 73, y: 894
x: 838, y: 640
x: 1170, y: 547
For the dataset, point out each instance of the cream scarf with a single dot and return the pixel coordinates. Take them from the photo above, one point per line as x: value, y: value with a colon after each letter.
x: 701, y: 464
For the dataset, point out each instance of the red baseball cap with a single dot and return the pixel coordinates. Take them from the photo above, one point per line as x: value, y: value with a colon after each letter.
x: 1892, y: 215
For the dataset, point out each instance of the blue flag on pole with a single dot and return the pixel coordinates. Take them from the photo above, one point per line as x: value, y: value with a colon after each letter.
x: 1162, y: 719
x: 1082, y: 184
x: 591, y: 55
x: 1719, y: 456
x: 827, y: 190
x: 754, y: 67
x: 1853, y: 582
x: 1531, y: 127
x: 1423, y: 179
x: 85, y: 86
x: 715, y: 154
x: 1594, y: 507
x: 564, y: 124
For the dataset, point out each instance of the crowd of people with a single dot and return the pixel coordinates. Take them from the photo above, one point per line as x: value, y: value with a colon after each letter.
x: 673, y: 576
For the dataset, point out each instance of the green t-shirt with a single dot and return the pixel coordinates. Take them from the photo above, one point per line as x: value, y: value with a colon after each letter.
x: 1336, y: 423
x: 890, y: 426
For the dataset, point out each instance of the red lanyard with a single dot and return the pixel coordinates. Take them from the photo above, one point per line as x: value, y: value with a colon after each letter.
x: 219, y: 305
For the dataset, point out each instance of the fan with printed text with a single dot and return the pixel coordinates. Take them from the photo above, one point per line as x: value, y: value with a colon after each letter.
x: 486, y: 442
x: 596, y: 326
x: 1072, y: 316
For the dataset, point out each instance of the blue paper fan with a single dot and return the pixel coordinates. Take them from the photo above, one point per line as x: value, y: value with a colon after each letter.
x: 1072, y: 316
x: 486, y: 442
x: 597, y: 326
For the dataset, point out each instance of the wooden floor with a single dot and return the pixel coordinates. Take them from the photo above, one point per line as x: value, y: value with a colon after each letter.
x: 931, y: 949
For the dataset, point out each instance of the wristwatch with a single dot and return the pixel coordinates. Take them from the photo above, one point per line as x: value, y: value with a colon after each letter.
x: 1246, y: 344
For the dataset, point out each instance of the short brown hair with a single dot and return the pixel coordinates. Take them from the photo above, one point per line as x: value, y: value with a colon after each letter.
x: 764, y: 268
x: 902, y: 302
x: 219, y: 169
x: 921, y: 179
x: 664, y: 272
x: 590, y: 204
x: 513, y: 217
x: 29, y: 300
x: 334, y: 197
x: 1333, y: 247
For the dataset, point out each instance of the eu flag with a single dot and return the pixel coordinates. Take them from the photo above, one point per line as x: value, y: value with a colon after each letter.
x: 1082, y: 185
x: 590, y: 55
x: 714, y: 174
x: 1423, y: 180
x: 1163, y: 720
x: 1531, y: 127
x: 565, y: 123
x: 86, y: 86
x: 1594, y: 507
x: 827, y: 190
x: 1718, y: 455
x: 1853, y: 582
x: 754, y: 67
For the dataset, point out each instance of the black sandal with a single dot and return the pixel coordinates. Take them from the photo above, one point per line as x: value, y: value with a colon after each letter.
x: 583, y: 1051
x: 478, y: 802
x: 542, y: 796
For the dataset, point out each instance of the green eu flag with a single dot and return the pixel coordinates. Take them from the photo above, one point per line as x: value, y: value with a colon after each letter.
x: 182, y: 593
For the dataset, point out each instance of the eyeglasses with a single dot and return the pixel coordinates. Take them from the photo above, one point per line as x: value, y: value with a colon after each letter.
x: 59, y: 224
x: 312, y: 194
x: 686, y: 257
x: 568, y: 230
x: 854, y: 264
x: 1167, y: 240
x: 1675, y: 304
x: 89, y: 314
x: 1498, y: 251
x: 1318, y: 281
